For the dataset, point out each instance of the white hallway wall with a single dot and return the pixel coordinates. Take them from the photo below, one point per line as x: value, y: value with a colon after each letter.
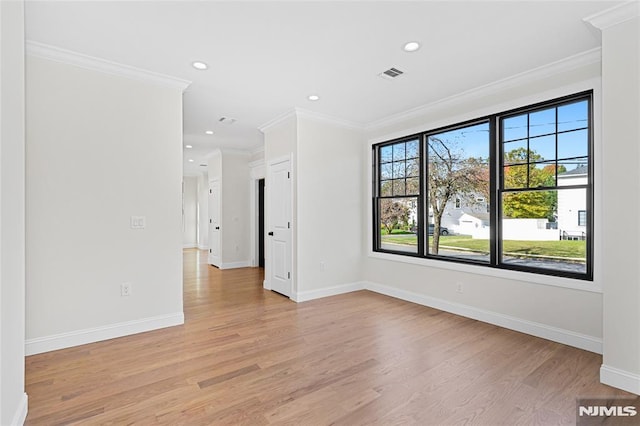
x: 13, y: 400
x: 190, y: 211
x: 203, y: 211
x: 235, y: 223
x: 100, y: 148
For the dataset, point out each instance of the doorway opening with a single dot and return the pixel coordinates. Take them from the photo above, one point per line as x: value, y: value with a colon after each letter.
x: 261, y: 223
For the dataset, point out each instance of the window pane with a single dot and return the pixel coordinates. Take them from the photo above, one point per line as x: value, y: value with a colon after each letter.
x: 398, y: 152
x: 542, y: 122
x: 540, y: 230
x: 398, y: 187
x: 399, y: 169
x: 458, y: 168
x: 386, y: 188
x: 398, y: 224
x: 386, y: 154
x: 543, y: 175
x: 516, y: 152
x: 516, y: 177
x: 413, y: 186
x: 573, y: 144
x: 514, y: 128
x: 413, y: 149
x: 542, y: 148
x: 413, y: 167
x: 386, y: 171
x: 529, y: 176
x: 576, y: 168
x: 573, y: 116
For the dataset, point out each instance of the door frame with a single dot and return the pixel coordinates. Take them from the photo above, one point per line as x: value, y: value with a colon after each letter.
x: 257, y: 172
x: 210, y: 258
x: 267, y: 248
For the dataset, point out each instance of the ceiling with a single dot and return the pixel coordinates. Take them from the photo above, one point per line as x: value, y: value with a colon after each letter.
x: 265, y: 58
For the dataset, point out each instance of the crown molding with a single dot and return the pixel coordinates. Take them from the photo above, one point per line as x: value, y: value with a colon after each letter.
x: 57, y: 54
x: 303, y: 113
x: 276, y: 121
x: 614, y: 15
x: 579, y: 60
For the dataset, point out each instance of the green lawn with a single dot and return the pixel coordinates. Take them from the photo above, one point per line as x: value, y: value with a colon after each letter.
x: 564, y: 249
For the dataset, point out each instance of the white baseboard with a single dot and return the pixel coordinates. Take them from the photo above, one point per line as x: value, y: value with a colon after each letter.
x: 620, y: 379
x: 233, y: 265
x: 189, y: 245
x: 567, y: 337
x: 266, y: 284
x: 20, y: 415
x: 90, y: 335
x: 329, y: 291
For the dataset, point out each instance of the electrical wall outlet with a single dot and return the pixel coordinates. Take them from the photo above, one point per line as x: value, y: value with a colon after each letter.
x: 323, y: 265
x: 459, y: 288
x: 125, y: 289
x: 138, y: 222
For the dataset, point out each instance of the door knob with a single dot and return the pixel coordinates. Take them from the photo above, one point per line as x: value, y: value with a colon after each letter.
x: 217, y: 227
x: 271, y: 234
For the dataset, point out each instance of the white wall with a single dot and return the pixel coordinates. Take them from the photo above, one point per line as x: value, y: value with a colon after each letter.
x: 190, y: 211
x: 235, y: 224
x: 214, y: 165
x: 620, y: 250
x: 329, y: 195
x: 561, y: 311
x: 100, y: 149
x: 13, y: 400
x: 203, y: 211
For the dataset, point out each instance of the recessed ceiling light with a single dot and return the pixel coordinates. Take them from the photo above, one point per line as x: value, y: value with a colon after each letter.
x: 209, y: 132
x: 411, y: 46
x: 191, y: 160
x: 313, y: 97
x: 199, y: 65
x: 188, y: 146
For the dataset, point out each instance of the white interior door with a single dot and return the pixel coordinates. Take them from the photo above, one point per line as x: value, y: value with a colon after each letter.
x: 279, y: 227
x: 214, y: 223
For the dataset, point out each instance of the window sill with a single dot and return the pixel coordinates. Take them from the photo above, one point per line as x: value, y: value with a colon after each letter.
x: 493, y: 272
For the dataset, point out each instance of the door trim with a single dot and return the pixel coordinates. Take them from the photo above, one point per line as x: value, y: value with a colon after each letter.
x: 257, y: 172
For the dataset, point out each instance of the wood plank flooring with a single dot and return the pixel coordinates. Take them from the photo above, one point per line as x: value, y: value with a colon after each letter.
x: 250, y: 356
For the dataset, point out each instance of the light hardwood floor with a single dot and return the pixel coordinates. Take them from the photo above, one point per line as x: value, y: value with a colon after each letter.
x: 250, y: 356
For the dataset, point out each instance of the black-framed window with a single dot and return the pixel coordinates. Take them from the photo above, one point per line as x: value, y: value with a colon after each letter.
x: 398, y: 189
x: 512, y: 191
x: 582, y: 218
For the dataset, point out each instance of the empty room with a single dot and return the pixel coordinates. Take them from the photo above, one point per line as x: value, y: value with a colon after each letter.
x: 319, y: 212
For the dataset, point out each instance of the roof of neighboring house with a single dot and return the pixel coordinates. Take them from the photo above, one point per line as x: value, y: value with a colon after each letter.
x: 480, y: 216
x: 582, y: 170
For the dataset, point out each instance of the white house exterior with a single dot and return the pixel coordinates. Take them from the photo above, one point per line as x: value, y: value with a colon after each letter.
x: 572, y: 204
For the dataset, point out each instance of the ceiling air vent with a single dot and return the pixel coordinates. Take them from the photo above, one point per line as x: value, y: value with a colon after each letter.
x: 227, y: 120
x: 391, y: 73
